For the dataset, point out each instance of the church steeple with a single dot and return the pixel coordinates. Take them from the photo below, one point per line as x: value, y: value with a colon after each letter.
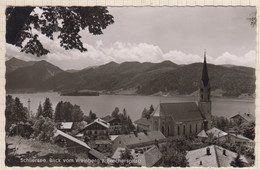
x: 205, y: 102
x: 205, y: 77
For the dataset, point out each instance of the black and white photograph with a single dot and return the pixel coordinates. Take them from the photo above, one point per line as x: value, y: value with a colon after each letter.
x: 105, y: 86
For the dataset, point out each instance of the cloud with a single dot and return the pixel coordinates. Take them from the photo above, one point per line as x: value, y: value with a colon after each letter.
x: 120, y: 52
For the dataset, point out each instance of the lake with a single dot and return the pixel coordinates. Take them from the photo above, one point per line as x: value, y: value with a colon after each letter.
x: 104, y: 104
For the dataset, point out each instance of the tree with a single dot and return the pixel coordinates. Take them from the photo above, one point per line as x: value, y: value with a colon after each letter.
x: 144, y: 113
x: 77, y: 114
x: 39, y: 111
x: 115, y: 112
x: 237, y: 162
x: 66, y: 21
x: 47, y: 109
x: 44, y: 129
x: 126, y: 158
x: 249, y: 130
x: 92, y: 116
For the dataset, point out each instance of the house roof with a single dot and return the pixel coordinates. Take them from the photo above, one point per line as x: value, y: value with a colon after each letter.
x: 186, y: 111
x: 215, y: 159
x: 242, y: 137
x: 97, y: 154
x: 102, y: 142
x: 66, y: 125
x: 216, y: 132
x: 202, y: 134
x: 65, y: 135
x: 99, y: 121
x: 248, y: 117
x: 143, y: 121
x: 141, y: 137
x: 147, y: 158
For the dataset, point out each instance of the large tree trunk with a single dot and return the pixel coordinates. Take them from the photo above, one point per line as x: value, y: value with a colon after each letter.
x: 16, y: 22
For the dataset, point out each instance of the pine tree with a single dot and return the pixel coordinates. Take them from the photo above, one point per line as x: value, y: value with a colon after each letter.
x: 115, y: 112
x: 20, y: 111
x: 47, y: 109
x: 39, y: 111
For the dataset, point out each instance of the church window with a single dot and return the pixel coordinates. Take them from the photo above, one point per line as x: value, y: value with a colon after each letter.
x: 184, y: 129
x: 201, y: 96
x: 162, y: 129
x: 208, y: 96
x: 190, y: 129
x: 168, y: 130
x: 178, y: 130
x: 201, y: 90
x: 196, y: 128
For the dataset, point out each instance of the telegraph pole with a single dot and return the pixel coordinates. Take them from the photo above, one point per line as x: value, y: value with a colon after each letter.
x: 29, y: 109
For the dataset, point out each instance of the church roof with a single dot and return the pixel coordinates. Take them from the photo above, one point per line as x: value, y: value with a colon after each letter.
x: 187, y: 111
x: 205, y: 77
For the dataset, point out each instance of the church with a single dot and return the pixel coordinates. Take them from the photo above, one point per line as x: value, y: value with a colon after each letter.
x: 186, y: 118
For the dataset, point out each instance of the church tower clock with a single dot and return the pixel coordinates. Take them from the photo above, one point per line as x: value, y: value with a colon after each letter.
x: 204, y: 99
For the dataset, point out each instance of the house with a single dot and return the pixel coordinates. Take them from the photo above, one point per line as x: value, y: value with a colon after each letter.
x: 243, y: 118
x: 241, y: 140
x: 98, y: 129
x: 212, y: 156
x: 103, y: 146
x: 220, y: 135
x: 202, y: 135
x: 143, y: 124
x: 141, y: 139
x: 71, y: 143
x: 185, y: 118
x: 65, y: 126
x: 147, y: 158
x: 115, y: 125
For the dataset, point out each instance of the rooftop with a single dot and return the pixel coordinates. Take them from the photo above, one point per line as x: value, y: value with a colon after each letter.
x: 65, y: 135
x: 186, y: 111
x: 202, y: 134
x: 65, y: 125
x: 247, y: 116
x: 216, y: 132
x: 141, y: 137
x: 216, y: 158
x: 143, y: 121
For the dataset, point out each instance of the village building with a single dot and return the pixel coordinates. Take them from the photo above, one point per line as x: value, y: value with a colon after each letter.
x: 141, y: 139
x: 243, y: 118
x: 212, y: 156
x: 65, y: 126
x: 71, y: 143
x: 143, y: 124
x: 147, y: 158
x: 241, y: 140
x: 218, y: 134
x: 96, y: 130
x: 115, y: 125
x: 187, y: 118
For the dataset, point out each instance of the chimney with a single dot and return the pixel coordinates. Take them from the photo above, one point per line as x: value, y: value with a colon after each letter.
x: 208, y: 151
x: 224, y: 152
x: 200, y: 162
x: 136, y: 134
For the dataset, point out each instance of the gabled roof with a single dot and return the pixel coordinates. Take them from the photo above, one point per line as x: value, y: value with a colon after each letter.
x: 242, y: 137
x: 248, y: 117
x: 97, y: 154
x: 141, y: 137
x: 147, y: 159
x: 186, y: 111
x: 216, y: 132
x: 215, y: 159
x: 143, y: 121
x: 65, y: 135
x: 99, y: 121
x: 66, y: 125
x: 202, y: 134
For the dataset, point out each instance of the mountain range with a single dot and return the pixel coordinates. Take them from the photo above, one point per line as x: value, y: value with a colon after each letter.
x: 139, y: 78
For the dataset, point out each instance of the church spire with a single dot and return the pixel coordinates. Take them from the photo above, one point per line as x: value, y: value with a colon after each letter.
x: 205, y: 77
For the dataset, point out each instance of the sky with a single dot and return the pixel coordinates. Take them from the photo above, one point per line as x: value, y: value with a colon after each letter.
x: 155, y: 34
